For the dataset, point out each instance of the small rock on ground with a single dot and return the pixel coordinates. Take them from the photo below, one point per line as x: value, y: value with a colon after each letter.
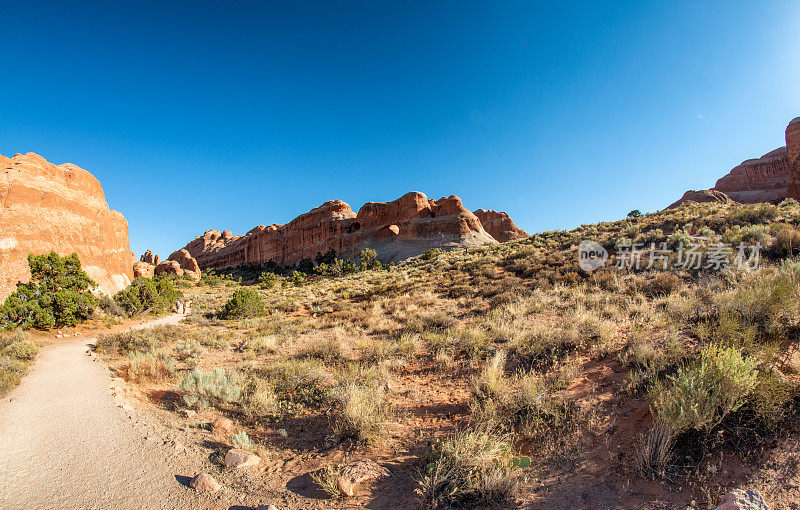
x: 357, y: 472
x: 204, y: 483
x: 750, y: 499
x: 222, y: 427
x: 240, y: 458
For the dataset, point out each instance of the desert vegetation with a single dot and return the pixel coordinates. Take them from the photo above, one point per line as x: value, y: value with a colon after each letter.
x: 505, y: 373
x: 17, y: 352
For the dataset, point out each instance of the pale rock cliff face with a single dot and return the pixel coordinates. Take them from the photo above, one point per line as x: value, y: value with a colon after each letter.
x: 45, y: 207
x: 396, y: 230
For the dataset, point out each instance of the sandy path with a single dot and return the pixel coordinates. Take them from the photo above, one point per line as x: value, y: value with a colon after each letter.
x: 65, y: 444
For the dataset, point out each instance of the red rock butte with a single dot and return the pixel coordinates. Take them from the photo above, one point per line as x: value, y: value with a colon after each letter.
x: 770, y: 178
x: 45, y: 207
x: 396, y: 230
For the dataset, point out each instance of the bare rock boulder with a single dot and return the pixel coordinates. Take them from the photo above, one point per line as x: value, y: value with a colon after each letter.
x: 204, y: 483
x: 236, y: 458
x: 701, y: 197
x: 357, y: 472
x: 143, y: 269
x: 750, y: 499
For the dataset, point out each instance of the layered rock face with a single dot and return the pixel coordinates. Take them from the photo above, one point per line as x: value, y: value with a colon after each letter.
x: 770, y: 178
x: 500, y: 225
x: 765, y: 179
x: 45, y: 207
x: 396, y: 230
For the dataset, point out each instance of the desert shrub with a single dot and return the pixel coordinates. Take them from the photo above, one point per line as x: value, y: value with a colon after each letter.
x: 699, y: 396
x: 267, y: 280
x: 655, y: 452
x: 368, y: 258
x: 242, y: 441
x: 337, y: 268
x: 305, y: 265
x: 57, y: 295
x: 329, y: 351
x: 431, y: 254
x: 244, y: 303
x: 678, y: 239
x: 110, y: 307
x: 327, y: 479
x: 146, y: 295
x: 145, y: 340
x: 23, y: 350
x: 148, y: 367
x: 635, y: 213
x: 17, y: 352
x: 260, y: 399
x: 361, y: 412
x: 213, y: 388
x: 188, y: 350
x: 469, y: 469
x: 663, y: 284
x: 786, y: 243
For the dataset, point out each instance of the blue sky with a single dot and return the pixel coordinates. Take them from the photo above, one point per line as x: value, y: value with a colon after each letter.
x: 228, y: 115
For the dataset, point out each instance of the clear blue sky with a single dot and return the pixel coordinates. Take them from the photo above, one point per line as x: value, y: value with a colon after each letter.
x: 228, y: 115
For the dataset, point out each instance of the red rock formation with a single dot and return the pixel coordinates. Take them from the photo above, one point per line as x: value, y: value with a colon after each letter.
x: 396, y: 230
x: 702, y: 196
x: 500, y: 226
x: 150, y: 258
x: 793, y: 157
x: 758, y: 180
x: 180, y: 263
x: 143, y: 269
x: 45, y: 207
x: 770, y: 178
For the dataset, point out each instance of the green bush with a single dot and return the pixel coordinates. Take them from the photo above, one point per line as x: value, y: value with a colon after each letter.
x: 145, y: 295
x: 57, y: 295
x: 368, y: 257
x: 699, y: 396
x: 267, y: 280
x: 244, y: 303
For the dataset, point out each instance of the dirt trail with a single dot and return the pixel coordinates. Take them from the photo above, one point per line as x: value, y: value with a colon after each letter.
x: 65, y: 444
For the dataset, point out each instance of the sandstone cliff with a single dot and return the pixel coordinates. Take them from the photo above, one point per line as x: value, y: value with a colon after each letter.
x: 396, y: 230
x: 500, y: 225
x: 45, y: 207
x: 770, y: 178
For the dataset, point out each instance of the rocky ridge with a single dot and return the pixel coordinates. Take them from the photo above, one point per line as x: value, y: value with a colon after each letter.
x: 396, y: 230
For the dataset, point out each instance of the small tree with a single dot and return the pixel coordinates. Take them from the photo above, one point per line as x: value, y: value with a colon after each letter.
x: 635, y: 213
x: 368, y: 258
x: 57, y: 295
x: 244, y: 303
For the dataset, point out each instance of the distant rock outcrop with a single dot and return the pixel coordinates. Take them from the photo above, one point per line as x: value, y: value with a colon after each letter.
x: 500, y: 225
x: 770, y: 178
x: 793, y: 157
x: 143, y: 269
x: 150, y: 258
x: 396, y: 230
x: 45, y: 207
x: 180, y: 263
x: 702, y: 196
